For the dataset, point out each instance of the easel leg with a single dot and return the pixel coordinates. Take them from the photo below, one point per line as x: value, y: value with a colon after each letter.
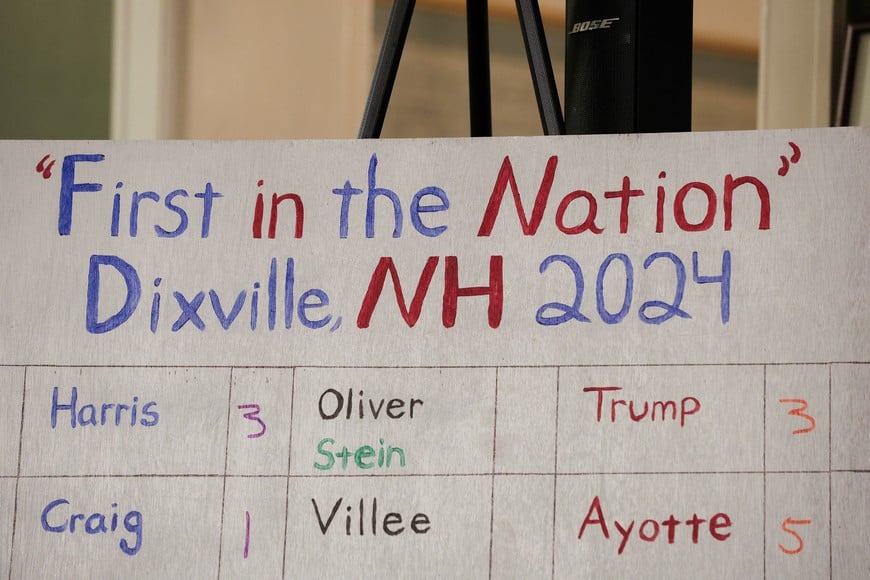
x: 385, y: 72
x: 542, y: 70
x: 478, y: 68
x: 479, y: 99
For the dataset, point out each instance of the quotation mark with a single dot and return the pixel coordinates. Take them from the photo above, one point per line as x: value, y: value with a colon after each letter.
x: 44, y: 169
x: 788, y: 161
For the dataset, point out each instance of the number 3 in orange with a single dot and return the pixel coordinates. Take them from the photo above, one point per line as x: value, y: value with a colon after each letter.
x: 785, y: 528
x: 799, y: 412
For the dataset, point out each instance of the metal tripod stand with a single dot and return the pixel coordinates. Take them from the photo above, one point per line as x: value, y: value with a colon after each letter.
x: 477, y: 13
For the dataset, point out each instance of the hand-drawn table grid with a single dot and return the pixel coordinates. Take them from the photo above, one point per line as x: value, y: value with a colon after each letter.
x: 521, y: 471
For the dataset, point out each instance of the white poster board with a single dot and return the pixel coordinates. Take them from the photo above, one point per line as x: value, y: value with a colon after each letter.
x: 519, y: 357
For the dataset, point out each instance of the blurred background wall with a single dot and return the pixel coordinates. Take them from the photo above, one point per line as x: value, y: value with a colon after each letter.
x: 55, y: 63
x: 271, y: 68
x: 281, y: 69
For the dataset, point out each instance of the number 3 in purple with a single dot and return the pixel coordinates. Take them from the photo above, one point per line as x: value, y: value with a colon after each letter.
x: 254, y: 416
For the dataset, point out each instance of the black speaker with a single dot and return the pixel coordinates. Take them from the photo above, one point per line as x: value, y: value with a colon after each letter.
x: 628, y: 66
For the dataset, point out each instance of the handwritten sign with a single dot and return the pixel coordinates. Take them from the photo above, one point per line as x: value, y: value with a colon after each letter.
x: 520, y: 357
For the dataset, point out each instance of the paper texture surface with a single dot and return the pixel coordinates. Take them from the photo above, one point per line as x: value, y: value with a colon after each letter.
x: 622, y: 356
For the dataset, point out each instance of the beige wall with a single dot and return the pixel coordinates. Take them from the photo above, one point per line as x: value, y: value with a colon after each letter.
x: 728, y: 25
x: 273, y: 69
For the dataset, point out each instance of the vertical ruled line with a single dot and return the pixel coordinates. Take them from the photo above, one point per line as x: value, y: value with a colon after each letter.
x: 555, y: 474
x: 830, y: 478
x: 492, y: 477
x: 18, y: 473
x: 226, y: 463
x: 764, y: 475
x: 287, y: 484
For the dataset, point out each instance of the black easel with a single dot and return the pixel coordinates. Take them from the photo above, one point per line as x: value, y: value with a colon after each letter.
x: 478, y: 68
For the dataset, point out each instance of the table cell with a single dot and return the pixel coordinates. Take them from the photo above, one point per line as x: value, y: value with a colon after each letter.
x: 525, y: 422
x: 850, y: 525
x: 252, y: 542
x: 522, y: 533
x: 11, y: 392
x: 351, y: 421
x: 798, y: 534
x: 850, y: 407
x: 113, y: 421
x: 797, y: 426
x: 7, y: 508
x: 661, y: 418
x: 659, y: 526
x: 397, y: 527
x: 132, y: 527
x: 259, y: 435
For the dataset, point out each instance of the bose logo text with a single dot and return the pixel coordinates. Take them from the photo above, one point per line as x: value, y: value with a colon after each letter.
x: 592, y: 25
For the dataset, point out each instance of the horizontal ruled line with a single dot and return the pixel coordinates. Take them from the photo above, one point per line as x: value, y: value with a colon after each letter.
x: 589, y: 473
x: 458, y: 474
x: 433, y: 367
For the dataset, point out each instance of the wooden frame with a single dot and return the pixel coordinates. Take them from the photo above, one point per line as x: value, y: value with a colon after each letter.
x: 794, y: 64
x: 147, y: 69
x: 855, y: 79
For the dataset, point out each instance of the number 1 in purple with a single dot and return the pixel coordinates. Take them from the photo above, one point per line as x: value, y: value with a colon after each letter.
x: 247, y: 533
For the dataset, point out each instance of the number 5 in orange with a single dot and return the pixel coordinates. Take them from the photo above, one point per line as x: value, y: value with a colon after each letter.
x: 799, y: 412
x: 785, y: 528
